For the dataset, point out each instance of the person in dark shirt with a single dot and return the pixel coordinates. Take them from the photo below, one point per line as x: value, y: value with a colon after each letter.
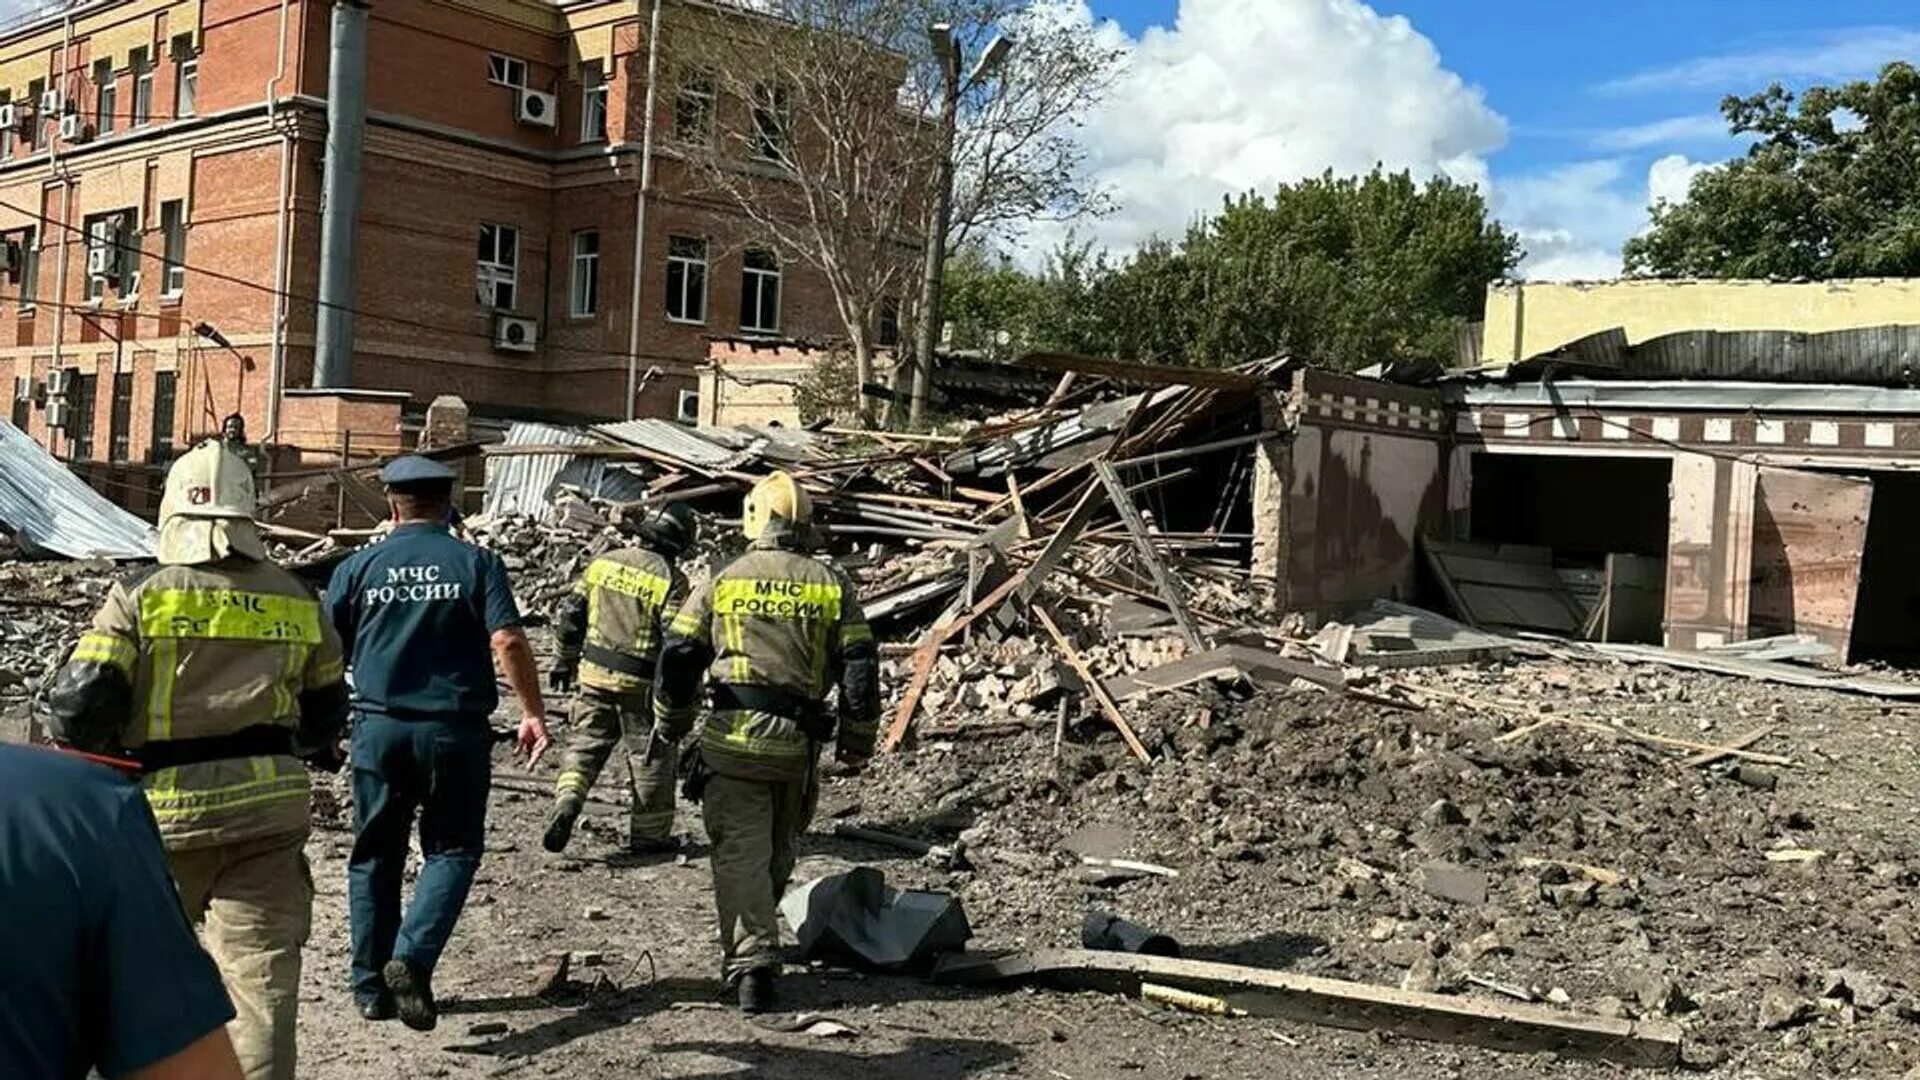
x: 99, y: 968
x: 423, y: 618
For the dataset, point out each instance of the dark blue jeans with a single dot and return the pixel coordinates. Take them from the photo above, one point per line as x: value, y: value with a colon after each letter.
x: 442, y: 768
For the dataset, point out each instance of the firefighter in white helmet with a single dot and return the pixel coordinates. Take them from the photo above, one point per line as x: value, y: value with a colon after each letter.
x: 215, y: 673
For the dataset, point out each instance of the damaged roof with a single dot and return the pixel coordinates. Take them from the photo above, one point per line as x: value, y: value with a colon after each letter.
x: 47, y: 508
x: 1858, y: 356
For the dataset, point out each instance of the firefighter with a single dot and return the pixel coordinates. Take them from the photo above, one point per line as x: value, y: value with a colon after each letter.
x: 771, y: 635
x: 608, y: 638
x: 217, y: 674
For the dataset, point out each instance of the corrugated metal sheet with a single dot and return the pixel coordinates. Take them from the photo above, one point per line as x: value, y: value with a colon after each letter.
x: 520, y: 483
x: 1092, y: 422
x: 1674, y: 394
x: 677, y: 441
x: 47, y: 508
x: 1867, y: 355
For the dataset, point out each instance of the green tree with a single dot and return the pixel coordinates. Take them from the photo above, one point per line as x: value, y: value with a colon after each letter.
x: 1830, y: 188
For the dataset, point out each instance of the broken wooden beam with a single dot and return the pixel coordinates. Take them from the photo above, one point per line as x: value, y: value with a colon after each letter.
x: 1708, y: 757
x: 1337, y: 1003
x: 1080, y: 668
x: 1143, y: 543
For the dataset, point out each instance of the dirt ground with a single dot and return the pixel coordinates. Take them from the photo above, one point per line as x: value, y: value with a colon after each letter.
x: 1303, y: 826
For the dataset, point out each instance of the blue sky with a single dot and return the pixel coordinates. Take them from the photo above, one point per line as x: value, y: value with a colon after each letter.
x: 1572, y: 114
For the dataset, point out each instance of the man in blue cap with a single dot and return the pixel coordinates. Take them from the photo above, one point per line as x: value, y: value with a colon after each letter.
x: 423, y: 617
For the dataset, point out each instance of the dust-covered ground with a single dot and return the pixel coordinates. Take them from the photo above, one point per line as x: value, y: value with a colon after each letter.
x: 1303, y: 826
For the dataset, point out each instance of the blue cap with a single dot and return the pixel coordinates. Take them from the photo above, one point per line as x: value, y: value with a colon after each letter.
x: 414, y: 469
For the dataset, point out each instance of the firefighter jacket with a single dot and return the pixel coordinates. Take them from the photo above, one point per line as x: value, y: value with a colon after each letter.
x: 771, y: 634
x: 612, y: 623
x: 212, y: 676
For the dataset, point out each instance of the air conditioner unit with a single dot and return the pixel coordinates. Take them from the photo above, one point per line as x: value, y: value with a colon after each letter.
x: 9, y: 116
x: 13, y: 260
x: 512, y: 334
x: 58, y: 413
x: 50, y: 103
x: 536, y: 108
x: 59, y: 382
x: 100, y: 260
x: 73, y: 129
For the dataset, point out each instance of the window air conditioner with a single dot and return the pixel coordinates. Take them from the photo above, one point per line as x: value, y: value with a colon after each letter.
x: 9, y: 116
x: 511, y: 334
x: 57, y: 414
x: 50, y: 103
x: 72, y: 128
x: 100, y: 259
x: 536, y: 108
x: 59, y: 382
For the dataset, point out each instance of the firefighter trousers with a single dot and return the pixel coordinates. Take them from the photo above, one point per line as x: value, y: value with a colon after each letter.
x: 754, y: 827
x: 602, y: 721
x: 253, y: 904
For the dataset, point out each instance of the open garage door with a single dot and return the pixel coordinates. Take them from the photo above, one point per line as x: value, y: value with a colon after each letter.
x: 1809, y: 539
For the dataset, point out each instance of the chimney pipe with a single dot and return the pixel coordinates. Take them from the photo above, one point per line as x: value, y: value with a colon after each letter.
x: 340, y: 194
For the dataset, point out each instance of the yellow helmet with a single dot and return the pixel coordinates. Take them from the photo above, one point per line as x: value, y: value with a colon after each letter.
x: 208, y: 482
x: 777, y: 498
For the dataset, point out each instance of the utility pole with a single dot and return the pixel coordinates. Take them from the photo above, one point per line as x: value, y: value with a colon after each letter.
x: 340, y: 194
x: 926, y: 334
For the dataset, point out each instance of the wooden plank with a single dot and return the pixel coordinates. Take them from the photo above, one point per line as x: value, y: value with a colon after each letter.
x: 1062, y: 539
x: 1098, y: 691
x: 922, y: 665
x: 1338, y: 1003
x: 1708, y: 757
x: 1137, y: 529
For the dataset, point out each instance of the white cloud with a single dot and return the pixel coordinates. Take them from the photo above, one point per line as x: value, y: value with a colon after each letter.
x: 1700, y: 127
x: 1247, y: 94
x: 1839, y: 54
x: 1573, y: 220
x: 1670, y: 177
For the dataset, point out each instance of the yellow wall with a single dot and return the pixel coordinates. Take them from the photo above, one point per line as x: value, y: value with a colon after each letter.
x: 1528, y: 318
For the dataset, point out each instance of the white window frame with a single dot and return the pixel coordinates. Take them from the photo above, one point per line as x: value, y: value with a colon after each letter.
x: 593, y: 103
x: 42, y: 125
x: 8, y: 136
x: 774, y: 100
x: 697, y: 85
x: 495, y: 272
x: 142, y: 67
x: 500, y: 69
x: 585, y: 276
x: 127, y: 255
x: 29, y: 267
x: 752, y: 282
x: 173, y: 249
x: 186, y: 76
x: 687, y: 265
x: 106, y: 97
x: 681, y: 410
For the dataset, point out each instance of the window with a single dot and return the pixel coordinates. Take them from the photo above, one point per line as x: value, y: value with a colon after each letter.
x: 106, y: 96
x: 6, y: 134
x: 593, y: 103
x: 113, y: 254
x: 163, y: 392
x: 142, y: 86
x: 22, y: 400
x: 760, y: 293
x: 173, y: 236
x: 80, y: 416
x: 771, y: 105
x: 585, y: 291
x: 889, y: 329
x: 507, y: 71
x: 499, y: 253
x: 186, y: 75
x: 29, y: 284
x: 121, y: 418
x: 36, y: 90
x: 686, y: 279
x: 686, y: 407
x: 693, y: 108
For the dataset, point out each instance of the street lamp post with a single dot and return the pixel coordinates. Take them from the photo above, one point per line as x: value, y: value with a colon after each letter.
x: 933, y: 270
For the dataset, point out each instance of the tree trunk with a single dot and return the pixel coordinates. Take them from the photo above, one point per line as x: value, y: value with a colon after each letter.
x: 862, y: 374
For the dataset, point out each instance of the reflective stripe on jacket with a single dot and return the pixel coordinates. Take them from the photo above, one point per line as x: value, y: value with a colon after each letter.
x: 629, y: 592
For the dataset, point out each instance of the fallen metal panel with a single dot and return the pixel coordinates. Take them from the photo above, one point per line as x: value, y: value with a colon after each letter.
x: 1809, y: 533
x: 1386, y: 634
x: 47, y: 508
x: 1491, y: 587
x: 521, y: 483
x: 1338, y: 1003
x: 676, y: 441
x: 1786, y: 674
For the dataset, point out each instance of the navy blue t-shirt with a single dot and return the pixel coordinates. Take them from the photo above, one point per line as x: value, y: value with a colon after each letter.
x: 416, y: 614
x: 99, y: 967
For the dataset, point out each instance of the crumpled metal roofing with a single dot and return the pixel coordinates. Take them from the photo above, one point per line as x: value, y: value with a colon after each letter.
x: 675, y: 440
x: 1861, y: 356
x: 47, y: 508
x: 520, y: 483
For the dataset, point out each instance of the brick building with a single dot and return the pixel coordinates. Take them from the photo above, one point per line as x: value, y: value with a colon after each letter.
x: 501, y: 174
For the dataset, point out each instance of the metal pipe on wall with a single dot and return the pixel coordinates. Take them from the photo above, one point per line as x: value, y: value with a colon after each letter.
x: 640, y: 213
x: 340, y: 193
x: 277, y: 364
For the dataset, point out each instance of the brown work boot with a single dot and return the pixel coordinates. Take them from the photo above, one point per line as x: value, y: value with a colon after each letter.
x: 412, y: 994
x: 560, y: 827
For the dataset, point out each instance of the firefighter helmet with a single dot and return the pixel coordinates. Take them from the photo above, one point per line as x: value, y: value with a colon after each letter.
x: 669, y: 530
x: 208, y: 482
x: 776, y: 498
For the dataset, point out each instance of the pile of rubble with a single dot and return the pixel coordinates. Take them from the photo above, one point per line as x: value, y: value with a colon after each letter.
x: 44, y: 607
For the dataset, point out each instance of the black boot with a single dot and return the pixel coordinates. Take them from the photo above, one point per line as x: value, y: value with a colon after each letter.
x: 375, y: 1006
x: 756, y: 991
x: 412, y: 994
x: 560, y: 827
